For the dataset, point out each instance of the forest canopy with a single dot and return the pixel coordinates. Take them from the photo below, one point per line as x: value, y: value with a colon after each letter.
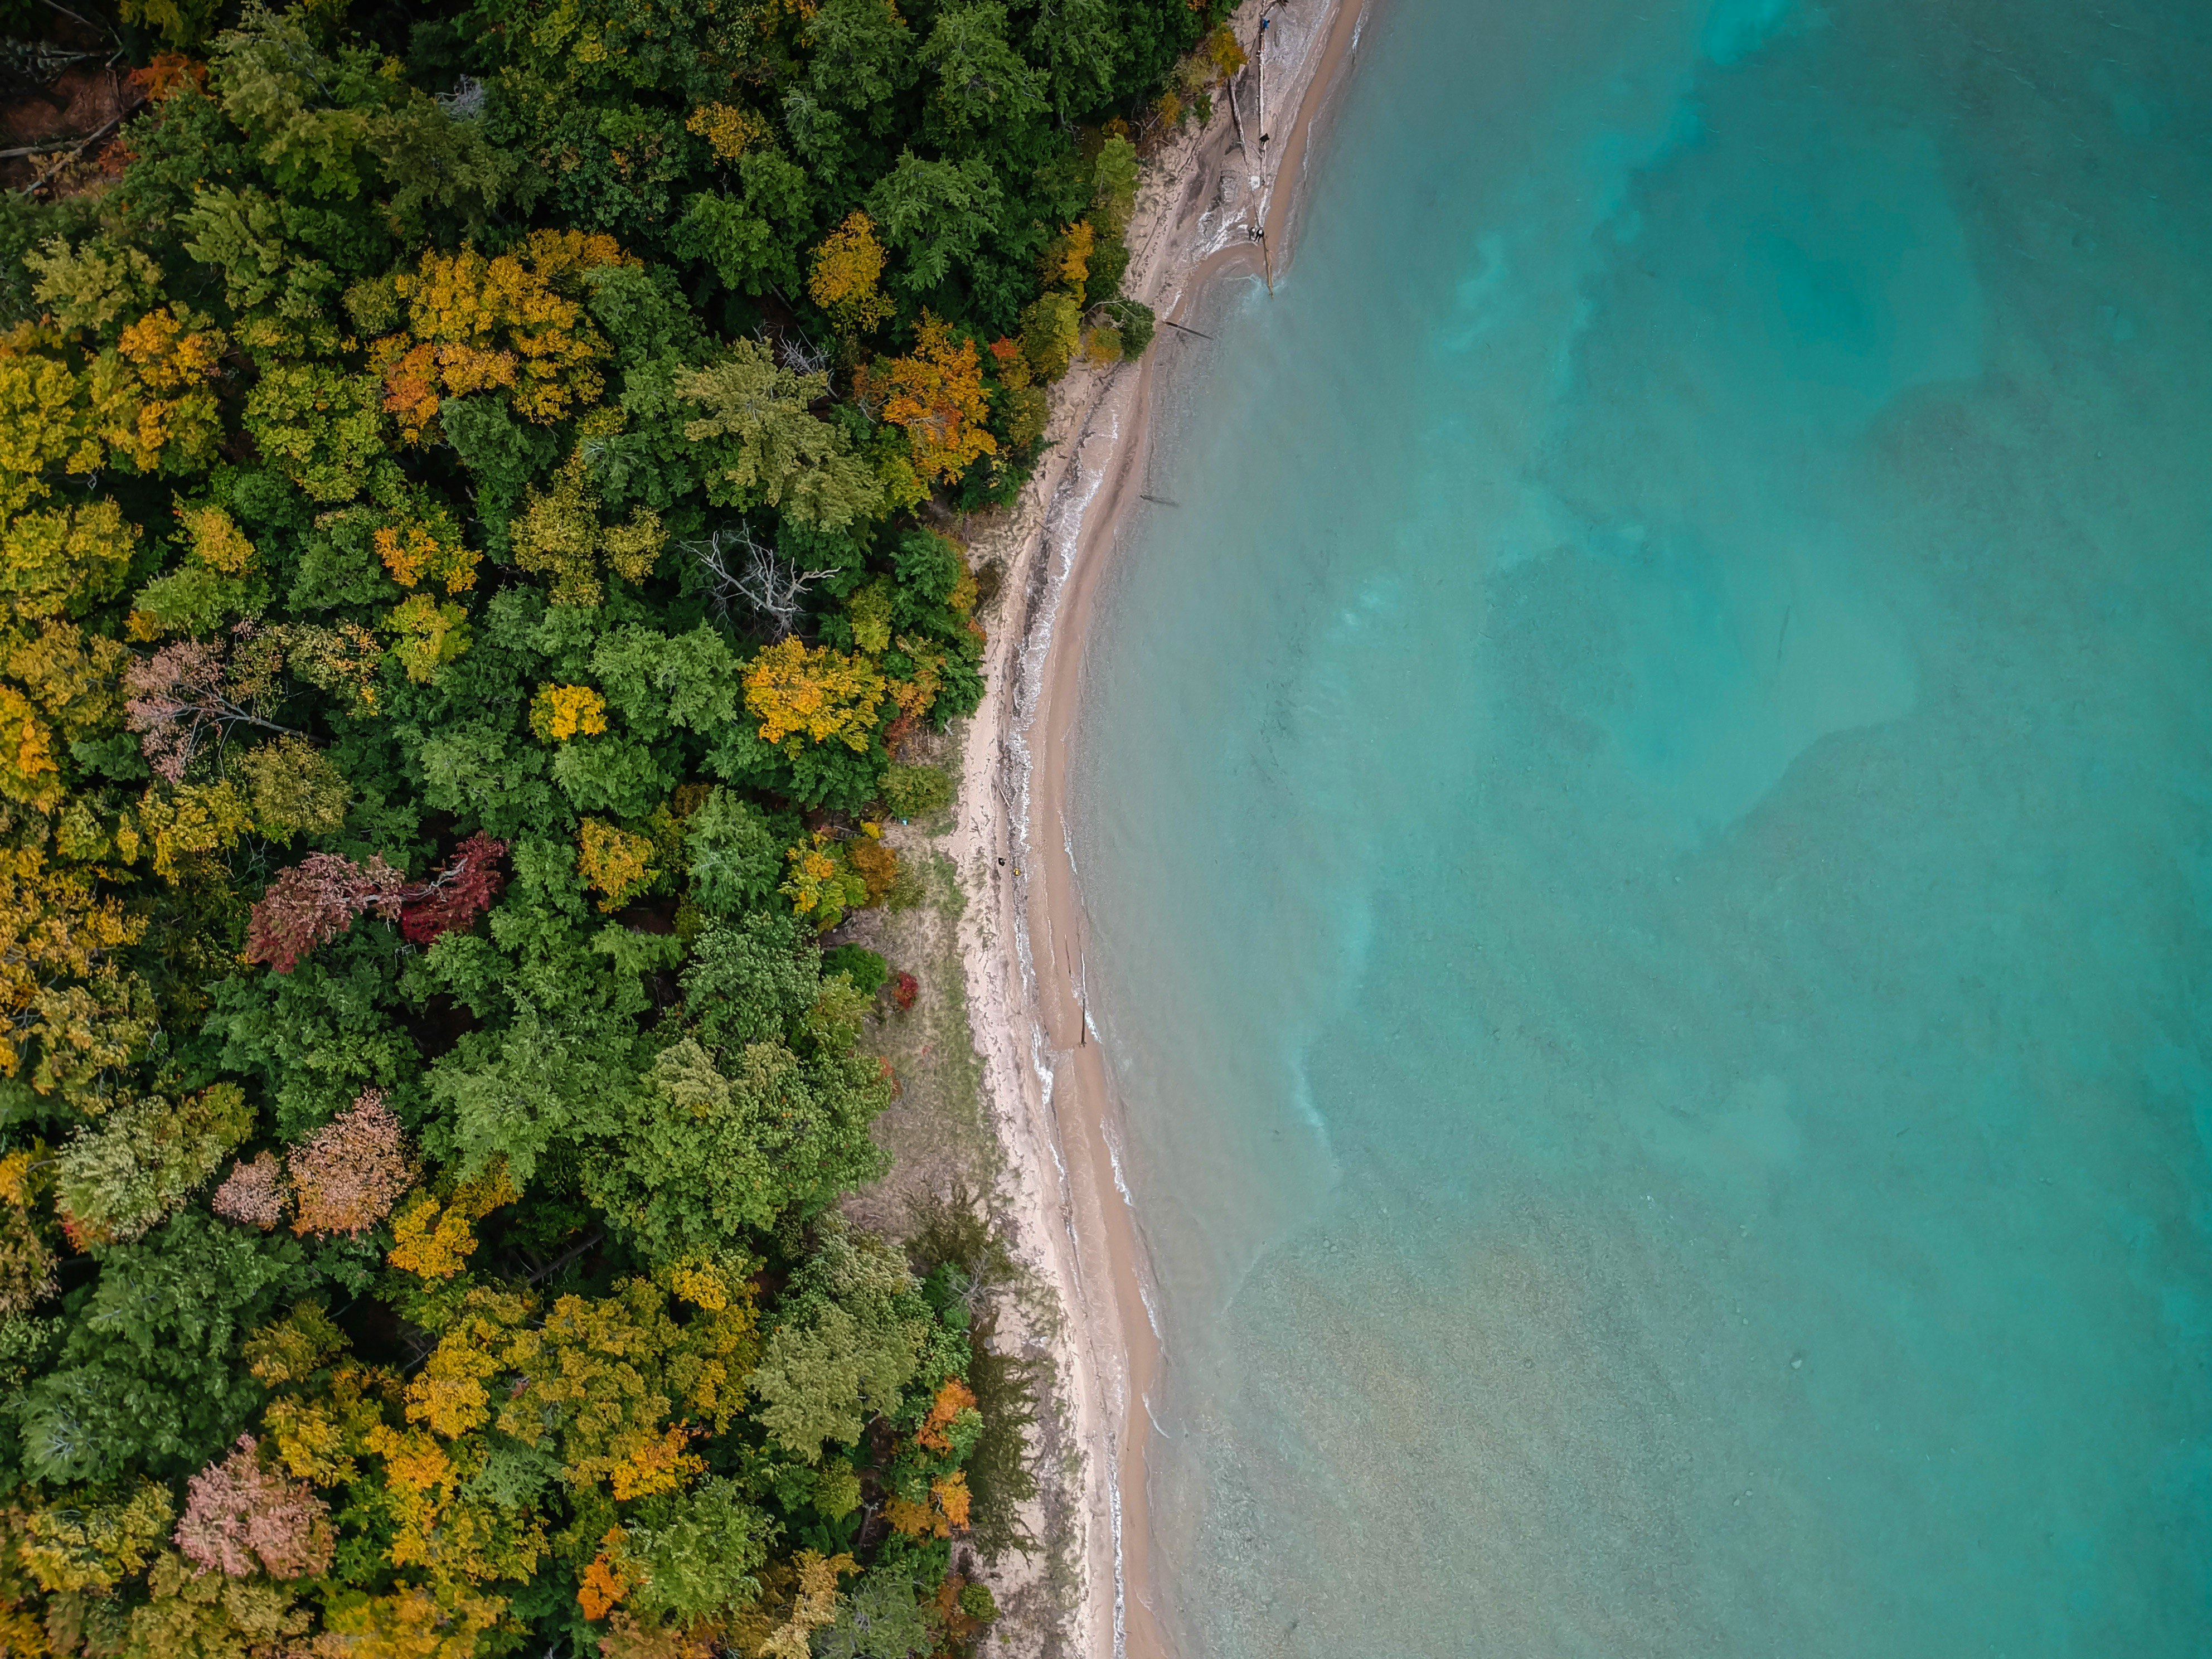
x: 475, y: 499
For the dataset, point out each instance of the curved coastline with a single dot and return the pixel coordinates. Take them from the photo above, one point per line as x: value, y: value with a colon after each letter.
x: 1047, y: 1087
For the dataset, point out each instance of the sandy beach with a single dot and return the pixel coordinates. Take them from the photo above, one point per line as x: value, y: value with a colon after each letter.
x: 1022, y: 938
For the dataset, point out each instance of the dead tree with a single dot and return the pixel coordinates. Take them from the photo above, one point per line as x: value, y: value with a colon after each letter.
x: 740, y: 570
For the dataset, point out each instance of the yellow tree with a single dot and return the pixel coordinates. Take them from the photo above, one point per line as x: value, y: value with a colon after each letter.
x: 730, y: 130
x: 817, y: 693
x: 45, y: 418
x: 847, y: 267
x: 64, y: 561
x: 152, y: 404
x: 54, y: 929
x: 427, y: 550
x: 493, y: 325
x: 558, y: 713
x: 937, y: 394
x: 559, y: 533
x: 613, y: 863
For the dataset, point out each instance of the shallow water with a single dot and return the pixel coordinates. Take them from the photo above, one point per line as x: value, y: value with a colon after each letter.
x: 1647, y: 825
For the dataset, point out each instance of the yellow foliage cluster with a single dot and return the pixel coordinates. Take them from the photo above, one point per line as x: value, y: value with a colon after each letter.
x: 798, y: 1597
x: 44, y: 419
x: 442, y: 1523
x: 703, y: 1283
x: 319, y: 1436
x: 821, y: 880
x: 729, y: 129
x: 183, y: 825
x: 818, y: 694
x: 847, y: 267
x: 936, y: 393
x: 294, y: 1348
x: 502, y: 323
x: 28, y: 772
x: 615, y: 1385
x: 942, y: 1514
x: 915, y: 693
x: 426, y: 635
x: 434, y: 1240
x: 409, y: 1623
x: 613, y: 863
x: 91, y: 1543
x: 52, y: 927
x: 1067, y: 259
x: 413, y: 552
x: 559, y: 532
x: 343, y: 658
x: 876, y: 865
x: 1222, y: 52
x: 558, y: 713
x: 64, y: 561
x: 217, y: 540
x: 151, y: 398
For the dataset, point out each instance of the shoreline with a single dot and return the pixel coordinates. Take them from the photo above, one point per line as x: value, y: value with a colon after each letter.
x: 1046, y: 1085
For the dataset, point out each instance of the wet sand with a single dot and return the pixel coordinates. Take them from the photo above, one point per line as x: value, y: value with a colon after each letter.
x: 1023, y: 935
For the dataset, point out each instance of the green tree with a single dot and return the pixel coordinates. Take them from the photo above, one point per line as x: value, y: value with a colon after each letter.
x: 714, y: 1150
x: 853, y: 1336
x: 143, y: 1158
x: 541, y: 1082
x: 981, y: 83
x: 751, y: 236
x: 934, y: 216
x: 736, y: 859
x: 881, y: 1618
x: 149, y: 1373
x: 696, y: 1553
x: 770, y: 450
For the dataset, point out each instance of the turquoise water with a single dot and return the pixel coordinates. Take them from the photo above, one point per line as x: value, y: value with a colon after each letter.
x: 1648, y: 830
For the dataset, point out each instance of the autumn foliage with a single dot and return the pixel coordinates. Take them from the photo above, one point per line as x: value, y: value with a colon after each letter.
x: 817, y: 693
x: 241, y: 1518
x: 472, y: 546
x: 347, y: 1175
x: 507, y: 325
x: 254, y: 1194
x: 937, y: 393
x: 847, y: 267
x: 468, y: 886
x: 312, y: 903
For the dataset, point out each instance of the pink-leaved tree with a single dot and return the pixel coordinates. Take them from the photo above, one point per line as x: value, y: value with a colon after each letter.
x: 253, y: 1194
x: 179, y: 701
x: 347, y: 1176
x: 241, y: 1518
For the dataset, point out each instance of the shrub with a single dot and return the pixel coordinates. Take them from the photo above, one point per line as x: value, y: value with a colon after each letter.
x: 856, y: 962
x: 916, y: 792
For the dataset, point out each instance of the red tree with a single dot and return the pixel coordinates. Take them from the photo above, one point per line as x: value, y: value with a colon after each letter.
x: 314, y: 901
x: 317, y: 899
x: 459, y: 894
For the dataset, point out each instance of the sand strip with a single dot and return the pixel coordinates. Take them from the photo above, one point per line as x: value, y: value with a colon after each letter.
x: 1023, y: 935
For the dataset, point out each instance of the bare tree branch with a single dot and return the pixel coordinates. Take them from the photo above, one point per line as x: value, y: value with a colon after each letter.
x: 739, y: 568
